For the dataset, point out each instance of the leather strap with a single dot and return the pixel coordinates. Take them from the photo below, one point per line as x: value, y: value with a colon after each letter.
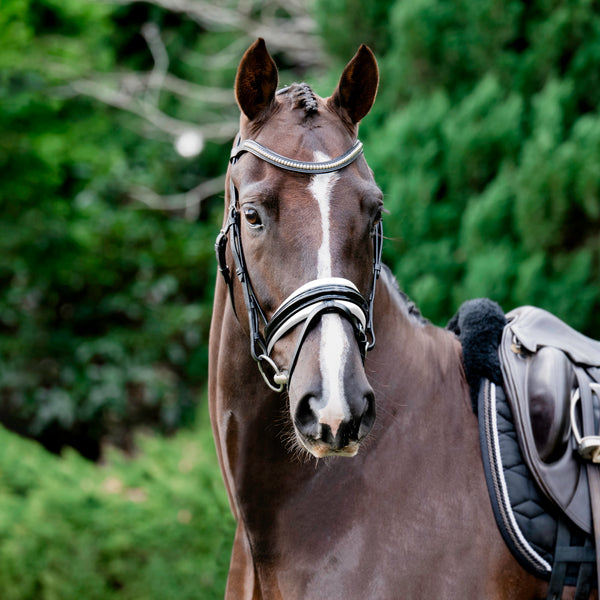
x: 301, y: 303
x: 571, y: 552
x: 591, y: 428
x: 559, y: 569
x: 329, y: 306
x: 593, y: 472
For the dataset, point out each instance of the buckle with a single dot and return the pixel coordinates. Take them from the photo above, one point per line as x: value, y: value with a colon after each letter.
x: 220, y: 247
x: 588, y: 446
x: 280, y: 378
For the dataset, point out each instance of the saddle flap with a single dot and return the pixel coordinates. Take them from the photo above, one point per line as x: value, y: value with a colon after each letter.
x: 550, y: 381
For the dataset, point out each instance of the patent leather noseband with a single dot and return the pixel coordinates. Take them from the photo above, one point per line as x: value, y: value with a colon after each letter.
x: 309, y: 302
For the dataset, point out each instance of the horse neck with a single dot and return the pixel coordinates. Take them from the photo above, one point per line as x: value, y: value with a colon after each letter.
x: 414, y: 364
x: 247, y: 418
x: 416, y: 373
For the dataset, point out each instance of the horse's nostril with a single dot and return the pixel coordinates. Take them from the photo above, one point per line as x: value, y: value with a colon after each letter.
x: 368, y: 417
x: 305, y: 417
x: 326, y: 435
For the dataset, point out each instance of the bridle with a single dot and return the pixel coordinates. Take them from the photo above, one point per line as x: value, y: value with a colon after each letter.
x: 309, y: 302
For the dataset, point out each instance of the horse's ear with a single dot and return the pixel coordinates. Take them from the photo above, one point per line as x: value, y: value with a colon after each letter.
x: 256, y: 80
x: 357, y: 87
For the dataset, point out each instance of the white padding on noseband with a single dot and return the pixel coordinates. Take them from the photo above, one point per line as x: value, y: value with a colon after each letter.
x: 301, y: 315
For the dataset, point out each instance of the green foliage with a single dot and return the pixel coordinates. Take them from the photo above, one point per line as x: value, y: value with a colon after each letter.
x: 155, y: 526
x: 346, y: 23
x: 104, y: 305
x: 485, y: 141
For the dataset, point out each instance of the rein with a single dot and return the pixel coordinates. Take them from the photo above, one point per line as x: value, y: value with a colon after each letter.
x: 309, y: 302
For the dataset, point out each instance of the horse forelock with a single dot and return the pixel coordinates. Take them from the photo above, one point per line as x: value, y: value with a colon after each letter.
x: 301, y: 96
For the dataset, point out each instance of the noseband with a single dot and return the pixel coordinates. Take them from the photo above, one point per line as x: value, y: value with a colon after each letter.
x: 309, y: 302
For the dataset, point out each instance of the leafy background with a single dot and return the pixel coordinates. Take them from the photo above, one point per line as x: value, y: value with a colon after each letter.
x: 485, y: 139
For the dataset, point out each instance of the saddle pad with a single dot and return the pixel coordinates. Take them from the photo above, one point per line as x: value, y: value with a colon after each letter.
x: 524, y: 517
x: 529, y: 523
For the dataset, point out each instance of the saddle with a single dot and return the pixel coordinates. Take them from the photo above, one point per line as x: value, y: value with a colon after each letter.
x: 538, y: 400
x: 551, y: 376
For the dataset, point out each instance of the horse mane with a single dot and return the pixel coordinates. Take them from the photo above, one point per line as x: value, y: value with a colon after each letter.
x: 301, y: 96
x: 412, y: 311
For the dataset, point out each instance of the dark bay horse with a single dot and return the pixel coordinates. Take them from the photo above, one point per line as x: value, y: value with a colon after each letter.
x: 408, y: 514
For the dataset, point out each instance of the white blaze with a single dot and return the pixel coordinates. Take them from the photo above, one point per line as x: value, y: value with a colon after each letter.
x: 334, y: 346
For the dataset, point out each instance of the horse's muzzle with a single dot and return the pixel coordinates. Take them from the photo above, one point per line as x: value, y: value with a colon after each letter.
x: 334, y: 433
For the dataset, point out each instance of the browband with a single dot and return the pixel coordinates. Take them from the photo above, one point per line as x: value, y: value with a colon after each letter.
x: 314, y: 168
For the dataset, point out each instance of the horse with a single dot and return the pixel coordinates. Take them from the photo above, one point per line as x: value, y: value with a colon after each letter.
x: 342, y: 418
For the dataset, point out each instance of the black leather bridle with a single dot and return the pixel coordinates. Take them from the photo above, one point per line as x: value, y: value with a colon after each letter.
x: 309, y: 302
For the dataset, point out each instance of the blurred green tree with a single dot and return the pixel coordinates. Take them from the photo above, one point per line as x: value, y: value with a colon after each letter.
x: 115, y: 119
x: 485, y: 141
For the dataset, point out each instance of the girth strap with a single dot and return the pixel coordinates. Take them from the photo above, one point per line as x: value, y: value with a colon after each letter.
x: 591, y: 426
x: 565, y: 554
x: 593, y: 472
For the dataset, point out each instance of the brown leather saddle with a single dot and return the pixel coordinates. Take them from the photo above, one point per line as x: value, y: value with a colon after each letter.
x: 551, y: 378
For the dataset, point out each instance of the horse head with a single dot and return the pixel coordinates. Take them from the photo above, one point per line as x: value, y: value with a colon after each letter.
x: 303, y: 228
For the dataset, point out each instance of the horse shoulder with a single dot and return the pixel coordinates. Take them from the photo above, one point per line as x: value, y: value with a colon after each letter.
x: 223, y: 421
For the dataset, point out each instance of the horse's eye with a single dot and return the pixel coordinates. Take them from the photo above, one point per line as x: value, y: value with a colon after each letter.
x: 252, y: 217
x: 377, y: 219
